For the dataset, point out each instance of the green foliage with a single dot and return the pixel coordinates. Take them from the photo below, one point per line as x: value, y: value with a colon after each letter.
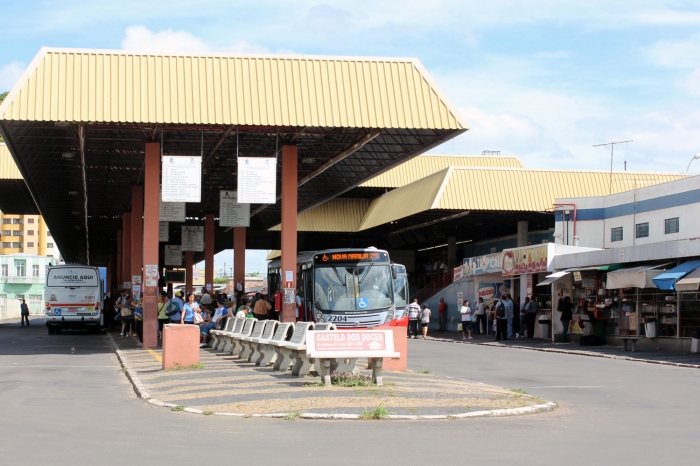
x: 178, y: 408
x: 3, y: 95
x: 220, y: 281
x: 380, y: 412
x: 423, y: 371
x: 292, y: 415
x: 178, y: 367
x: 207, y: 413
x: 348, y: 379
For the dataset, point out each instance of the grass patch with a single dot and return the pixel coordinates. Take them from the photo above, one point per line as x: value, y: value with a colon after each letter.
x: 380, y: 412
x: 411, y: 410
x: 293, y: 415
x: 207, y: 413
x: 519, y: 390
x: 423, y: 371
x: 178, y: 367
x: 375, y: 391
x: 178, y: 408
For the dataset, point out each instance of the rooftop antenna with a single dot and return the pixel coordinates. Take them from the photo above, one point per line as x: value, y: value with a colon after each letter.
x: 612, y: 149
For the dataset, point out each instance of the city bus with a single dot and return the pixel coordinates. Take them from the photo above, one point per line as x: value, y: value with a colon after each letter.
x: 73, y: 298
x: 347, y: 287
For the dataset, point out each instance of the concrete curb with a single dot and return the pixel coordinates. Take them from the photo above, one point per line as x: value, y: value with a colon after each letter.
x: 144, y: 395
x: 574, y: 352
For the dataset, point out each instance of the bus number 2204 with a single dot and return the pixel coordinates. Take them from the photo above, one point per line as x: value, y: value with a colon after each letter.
x: 337, y: 318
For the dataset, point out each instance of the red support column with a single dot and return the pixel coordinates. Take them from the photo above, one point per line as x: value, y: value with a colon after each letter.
x: 126, y: 249
x: 151, y: 182
x: 239, y: 234
x: 289, y: 228
x: 189, y: 269
x: 209, y: 251
x: 136, y: 234
x: 119, y: 278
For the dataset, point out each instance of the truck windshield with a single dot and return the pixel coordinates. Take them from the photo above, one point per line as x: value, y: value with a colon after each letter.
x: 363, y: 288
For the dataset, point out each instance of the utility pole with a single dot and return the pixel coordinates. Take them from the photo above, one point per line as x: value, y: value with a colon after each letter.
x: 612, y: 149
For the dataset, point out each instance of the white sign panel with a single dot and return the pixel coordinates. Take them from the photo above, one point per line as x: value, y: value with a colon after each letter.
x: 192, y: 238
x: 73, y: 276
x: 182, y: 178
x: 257, y: 180
x: 171, y: 211
x: 231, y: 212
x: 151, y: 272
x: 173, y: 255
x: 136, y: 279
x: 163, y: 230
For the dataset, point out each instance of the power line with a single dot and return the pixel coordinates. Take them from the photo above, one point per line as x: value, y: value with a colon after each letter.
x: 612, y: 149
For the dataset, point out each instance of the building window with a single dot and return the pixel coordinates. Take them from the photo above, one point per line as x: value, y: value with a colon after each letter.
x: 17, y: 221
x: 35, y: 270
x: 616, y: 234
x: 30, y: 220
x: 30, y: 232
x: 20, y: 268
x: 6, y: 221
x: 17, y: 233
x: 49, y: 245
x: 4, y: 270
x: 30, y: 245
x: 671, y: 226
x: 17, y: 245
x: 48, y: 233
x: 6, y: 244
x: 642, y: 230
x: 7, y: 232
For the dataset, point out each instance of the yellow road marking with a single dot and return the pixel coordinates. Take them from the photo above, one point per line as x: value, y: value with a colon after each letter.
x: 158, y: 357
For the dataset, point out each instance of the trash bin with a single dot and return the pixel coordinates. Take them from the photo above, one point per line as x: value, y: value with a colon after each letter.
x: 650, y: 327
x: 544, y: 328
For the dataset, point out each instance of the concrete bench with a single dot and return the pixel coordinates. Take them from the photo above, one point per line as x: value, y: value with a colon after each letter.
x: 247, y: 329
x: 226, y: 337
x: 633, y: 339
x: 268, y: 355
x: 303, y: 364
x: 214, y: 334
x: 256, y: 343
x: 325, y: 346
x: 256, y: 333
x: 285, y: 349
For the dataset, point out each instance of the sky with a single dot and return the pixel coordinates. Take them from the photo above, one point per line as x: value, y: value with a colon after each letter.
x: 544, y: 80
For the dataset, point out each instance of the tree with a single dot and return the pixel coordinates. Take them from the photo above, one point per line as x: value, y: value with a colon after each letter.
x: 220, y: 281
x: 2, y: 97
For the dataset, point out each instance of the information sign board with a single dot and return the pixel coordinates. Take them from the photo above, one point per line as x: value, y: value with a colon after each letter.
x: 173, y: 255
x: 182, y: 178
x: 192, y: 238
x: 231, y: 212
x: 163, y: 231
x: 359, y: 340
x: 257, y: 180
x: 171, y: 211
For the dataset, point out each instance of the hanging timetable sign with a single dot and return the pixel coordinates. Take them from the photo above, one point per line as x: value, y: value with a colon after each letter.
x: 173, y: 255
x: 257, y: 180
x: 171, y: 211
x: 231, y: 212
x: 163, y: 230
x: 182, y: 178
x: 192, y: 238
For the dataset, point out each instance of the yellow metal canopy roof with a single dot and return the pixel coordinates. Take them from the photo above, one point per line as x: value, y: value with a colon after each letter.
x: 505, y: 189
x: 336, y: 215
x: 274, y: 254
x: 78, y: 85
x: 8, y: 167
x: 424, y: 165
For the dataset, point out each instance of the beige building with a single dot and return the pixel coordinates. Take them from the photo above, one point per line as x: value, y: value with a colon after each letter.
x: 26, y: 234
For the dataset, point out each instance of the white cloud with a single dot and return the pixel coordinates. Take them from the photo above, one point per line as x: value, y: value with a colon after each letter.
x: 667, y: 17
x: 676, y: 54
x: 691, y: 84
x: 142, y: 39
x: 9, y: 74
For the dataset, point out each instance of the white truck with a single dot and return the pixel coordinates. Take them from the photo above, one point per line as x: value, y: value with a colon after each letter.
x: 73, y: 298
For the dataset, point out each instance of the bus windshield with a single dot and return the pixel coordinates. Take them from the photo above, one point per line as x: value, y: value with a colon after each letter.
x: 363, y: 288
x: 401, y: 291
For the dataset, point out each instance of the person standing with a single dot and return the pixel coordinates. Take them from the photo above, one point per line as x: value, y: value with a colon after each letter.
x: 531, y: 317
x: 413, y: 316
x: 177, y: 301
x: 500, y: 314
x: 442, y: 314
x: 189, y: 309
x: 524, y: 317
x: 205, y: 300
x: 466, y: 313
x: 509, y: 315
x: 481, y: 317
x: 24, y: 312
x: 516, y: 317
x: 162, y: 316
x: 261, y: 308
x: 425, y: 320
x: 300, y: 314
x: 566, y: 309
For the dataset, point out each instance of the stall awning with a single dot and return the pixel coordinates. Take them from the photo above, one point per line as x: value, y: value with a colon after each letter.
x: 549, y: 279
x: 690, y: 282
x: 635, y: 277
x: 667, y: 281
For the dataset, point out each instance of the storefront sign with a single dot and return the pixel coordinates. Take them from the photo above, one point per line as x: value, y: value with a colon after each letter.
x: 173, y: 255
x: 360, y: 340
x: 460, y: 299
x: 458, y: 273
x: 525, y: 260
x: 489, y: 263
x: 182, y: 178
x: 192, y: 238
x: 491, y: 290
x: 231, y: 212
x: 171, y: 211
x: 257, y: 180
x: 163, y: 231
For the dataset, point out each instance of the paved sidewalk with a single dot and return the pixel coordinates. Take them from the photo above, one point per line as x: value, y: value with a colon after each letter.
x: 657, y: 356
x: 228, y: 385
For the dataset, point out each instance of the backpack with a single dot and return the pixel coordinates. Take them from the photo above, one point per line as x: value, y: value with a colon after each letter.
x: 171, y: 309
x: 500, y: 311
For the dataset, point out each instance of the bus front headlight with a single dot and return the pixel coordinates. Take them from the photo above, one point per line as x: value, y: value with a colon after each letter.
x: 319, y: 317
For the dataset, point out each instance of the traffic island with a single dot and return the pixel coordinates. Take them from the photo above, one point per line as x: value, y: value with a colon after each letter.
x: 223, y: 385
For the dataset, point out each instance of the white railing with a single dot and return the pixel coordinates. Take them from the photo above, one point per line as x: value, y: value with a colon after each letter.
x: 22, y: 279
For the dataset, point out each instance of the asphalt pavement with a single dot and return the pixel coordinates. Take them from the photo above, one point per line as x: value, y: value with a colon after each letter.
x: 66, y: 401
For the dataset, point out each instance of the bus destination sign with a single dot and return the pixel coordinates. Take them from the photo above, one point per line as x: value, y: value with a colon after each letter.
x: 352, y: 256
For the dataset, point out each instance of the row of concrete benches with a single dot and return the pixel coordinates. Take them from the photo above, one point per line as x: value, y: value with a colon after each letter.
x: 264, y: 342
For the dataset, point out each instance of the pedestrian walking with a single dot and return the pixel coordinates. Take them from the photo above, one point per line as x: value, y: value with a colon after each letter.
x: 509, y: 314
x: 524, y: 317
x: 413, y: 316
x: 466, y: 313
x: 189, y: 310
x: 481, y: 318
x: 442, y: 314
x: 566, y: 309
x: 24, y: 312
x: 425, y: 320
x: 501, y: 317
x: 531, y: 316
x: 162, y: 316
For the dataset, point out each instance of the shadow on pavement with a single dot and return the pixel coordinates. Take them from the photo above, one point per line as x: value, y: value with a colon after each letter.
x: 35, y: 340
